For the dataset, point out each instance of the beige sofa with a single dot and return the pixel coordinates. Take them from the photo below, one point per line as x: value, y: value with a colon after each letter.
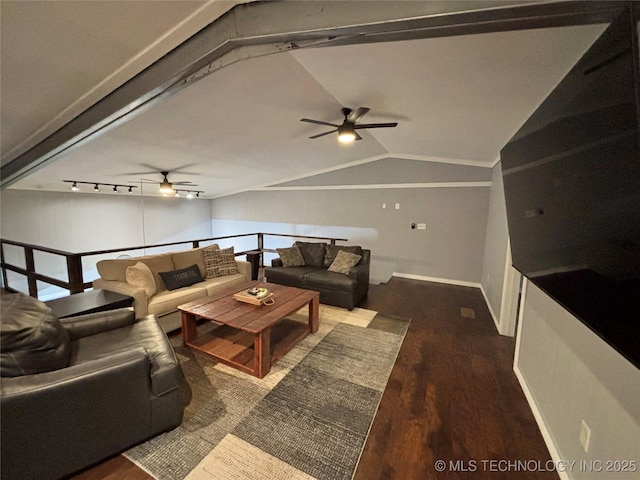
x: 164, y: 303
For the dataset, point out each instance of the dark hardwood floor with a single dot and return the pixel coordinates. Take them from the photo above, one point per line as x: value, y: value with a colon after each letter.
x: 452, y: 396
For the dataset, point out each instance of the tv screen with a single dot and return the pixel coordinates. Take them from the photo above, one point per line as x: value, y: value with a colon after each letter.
x: 572, y: 189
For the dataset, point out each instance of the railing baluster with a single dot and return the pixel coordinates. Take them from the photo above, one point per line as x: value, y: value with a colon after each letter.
x: 74, y: 270
x: 30, y: 265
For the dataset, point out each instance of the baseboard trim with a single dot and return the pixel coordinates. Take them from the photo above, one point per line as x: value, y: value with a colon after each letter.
x: 546, y: 434
x: 495, y: 318
x: 460, y: 283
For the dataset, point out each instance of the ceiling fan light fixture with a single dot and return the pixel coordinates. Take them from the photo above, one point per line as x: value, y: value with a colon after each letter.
x: 166, y: 187
x: 346, y: 133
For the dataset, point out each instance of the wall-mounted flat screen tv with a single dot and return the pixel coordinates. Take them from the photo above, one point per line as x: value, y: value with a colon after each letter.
x: 572, y: 189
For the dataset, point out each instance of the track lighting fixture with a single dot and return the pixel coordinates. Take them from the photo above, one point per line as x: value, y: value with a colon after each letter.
x: 190, y: 193
x: 96, y: 188
x: 96, y: 185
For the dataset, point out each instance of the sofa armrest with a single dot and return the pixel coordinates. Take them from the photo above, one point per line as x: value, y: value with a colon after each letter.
x: 75, y: 376
x: 360, y: 273
x: 244, y: 268
x: 93, y: 323
x: 276, y: 262
x: 140, y: 299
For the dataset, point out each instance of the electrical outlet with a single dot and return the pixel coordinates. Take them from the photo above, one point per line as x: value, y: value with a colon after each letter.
x: 397, y: 206
x: 384, y: 206
x: 585, y: 435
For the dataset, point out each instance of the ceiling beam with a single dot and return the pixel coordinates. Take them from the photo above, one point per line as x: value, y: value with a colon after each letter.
x: 270, y: 27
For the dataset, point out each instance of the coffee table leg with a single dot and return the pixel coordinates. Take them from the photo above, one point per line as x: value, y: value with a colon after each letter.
x: 262, y: 353
x: 314, y: 313
x: 188, y: 327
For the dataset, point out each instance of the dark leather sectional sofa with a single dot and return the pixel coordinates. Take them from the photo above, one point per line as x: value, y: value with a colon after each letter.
x: 76, y: 391
x: 335, y: 288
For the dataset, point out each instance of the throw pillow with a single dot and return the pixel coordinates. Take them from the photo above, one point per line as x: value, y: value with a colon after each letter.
x: 220, y: 262
x: 32, y: 339
x: 182, y: 278
x: 344, y: 262
x: 209, y: 256
x: 291, y: 257
x: 140, y: 275
x: 312, y: 252
x: 332, y: 251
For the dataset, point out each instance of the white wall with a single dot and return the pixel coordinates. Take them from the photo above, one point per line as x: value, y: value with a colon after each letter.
x: 570, y: 374
x: 495, y: 243
x: 77, y: 222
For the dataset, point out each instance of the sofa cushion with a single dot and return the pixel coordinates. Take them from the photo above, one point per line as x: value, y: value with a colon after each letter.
x: 220, y: 262
x: 313, y: 253
x: 139, y: 275
x: 288, y: 276
x: 159, y: 263
x: 291, y: 257
x: 325, y: 280
x: 32, y: 339
x: 344, y: 262
x: 188, y: 258
x: 168, y: 301
x: 182, y: 278
x: 332, y: 251
x: 214, y: 285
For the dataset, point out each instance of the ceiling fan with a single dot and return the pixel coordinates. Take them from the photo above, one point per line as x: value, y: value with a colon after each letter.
x: 347, y: 131
x: 166, y: 187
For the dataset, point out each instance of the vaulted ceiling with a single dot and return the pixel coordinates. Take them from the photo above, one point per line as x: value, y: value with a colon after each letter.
x: 456, y: 99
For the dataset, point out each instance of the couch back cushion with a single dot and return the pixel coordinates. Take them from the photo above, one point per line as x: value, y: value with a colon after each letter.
x: 313, y: 253
x: 332, y: 251
x: 117, y: 269
x: 32, y: 339
x: 189, y: 257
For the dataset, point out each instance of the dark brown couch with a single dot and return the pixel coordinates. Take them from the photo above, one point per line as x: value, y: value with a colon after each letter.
x: 337, y: 289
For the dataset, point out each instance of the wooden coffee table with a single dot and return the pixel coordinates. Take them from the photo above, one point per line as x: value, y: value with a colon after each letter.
x: 250, y: 337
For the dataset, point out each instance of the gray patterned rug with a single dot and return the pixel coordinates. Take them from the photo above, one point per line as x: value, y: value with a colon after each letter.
x: 308, y: 418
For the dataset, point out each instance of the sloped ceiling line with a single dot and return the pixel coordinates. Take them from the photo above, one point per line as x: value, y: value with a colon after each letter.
x: 266, y: 23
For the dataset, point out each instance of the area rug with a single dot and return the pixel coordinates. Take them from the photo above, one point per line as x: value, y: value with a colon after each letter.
x: 308, y: 418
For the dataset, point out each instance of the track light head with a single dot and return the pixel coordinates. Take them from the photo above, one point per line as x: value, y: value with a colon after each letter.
x: 96, y: 188
x: 115, y: 188
x: 74, y: 187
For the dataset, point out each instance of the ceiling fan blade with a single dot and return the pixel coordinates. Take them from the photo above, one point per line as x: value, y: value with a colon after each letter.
x: 358, y: 137
x: 323, y: 134
x: 146, y: 180
x: 185, y: 183
x: 358, y: 114
x: 318, y: 122
x: 377, y: 125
